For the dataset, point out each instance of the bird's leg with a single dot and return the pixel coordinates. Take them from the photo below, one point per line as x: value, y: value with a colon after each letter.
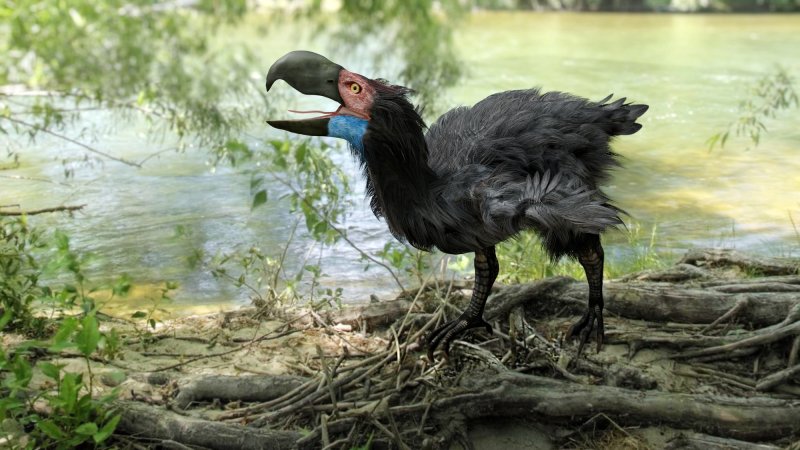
x: 486, y: 270
x: 591, y: 258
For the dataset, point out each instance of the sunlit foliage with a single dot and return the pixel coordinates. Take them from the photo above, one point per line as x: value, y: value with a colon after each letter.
x: 61, y: 59
x: 414, y: 34
x: 772, y: 93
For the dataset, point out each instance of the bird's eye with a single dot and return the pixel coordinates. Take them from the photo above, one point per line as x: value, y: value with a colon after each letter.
x: 355, y: 88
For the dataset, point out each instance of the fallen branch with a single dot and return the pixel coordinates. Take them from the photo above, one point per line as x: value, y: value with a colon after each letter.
x: 33, y: 212
x: 769, y: 382
x: 245, y: 346
x: 698, y: 441
x: 758, y: 340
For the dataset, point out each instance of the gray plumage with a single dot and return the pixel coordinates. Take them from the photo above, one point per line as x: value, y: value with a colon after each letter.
x: 516, y: 160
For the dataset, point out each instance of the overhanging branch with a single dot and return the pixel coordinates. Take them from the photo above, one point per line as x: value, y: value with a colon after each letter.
x: 72, y: 141
x: 33, y: 212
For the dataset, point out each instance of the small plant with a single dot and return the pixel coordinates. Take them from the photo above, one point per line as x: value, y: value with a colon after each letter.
x: 20, y: 272
x: 63, y: 413
x: 263, y: 276
x: 642, y: 252
x: 769, y: 95
x: 144, y: 332
x: 317, y: 187
x: 60, y: 413
x: 416, y: 263
x: 523, y: 259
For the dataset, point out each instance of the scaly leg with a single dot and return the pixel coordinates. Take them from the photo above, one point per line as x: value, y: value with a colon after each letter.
x: 486, y: 270
x: 591, y: 258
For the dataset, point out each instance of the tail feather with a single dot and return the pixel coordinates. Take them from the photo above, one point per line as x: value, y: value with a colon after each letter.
x: 622, y: 116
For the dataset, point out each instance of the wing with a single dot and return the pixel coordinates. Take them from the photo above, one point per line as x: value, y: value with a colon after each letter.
x: 521, y: 159
x: 527, y: 132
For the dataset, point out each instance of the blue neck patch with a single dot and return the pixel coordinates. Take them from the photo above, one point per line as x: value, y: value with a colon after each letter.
x: 349, y: 128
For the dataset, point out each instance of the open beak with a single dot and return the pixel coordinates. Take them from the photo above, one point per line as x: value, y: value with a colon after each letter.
x: 311, y: 74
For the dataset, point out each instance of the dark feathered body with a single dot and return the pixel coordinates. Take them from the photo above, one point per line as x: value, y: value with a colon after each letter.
x: 516, y: 160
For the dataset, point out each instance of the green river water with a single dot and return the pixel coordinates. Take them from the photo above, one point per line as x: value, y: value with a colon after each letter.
x: 691, y: 69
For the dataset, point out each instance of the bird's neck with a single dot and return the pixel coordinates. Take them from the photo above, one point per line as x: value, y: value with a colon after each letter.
x: 399, y: 180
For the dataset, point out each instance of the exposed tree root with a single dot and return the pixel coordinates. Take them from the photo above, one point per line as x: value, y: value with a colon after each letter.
x: 507, y: 394
x: 153, y: 423
x: 710, y: 258
x: 232, y: 388
x: 722, y: 361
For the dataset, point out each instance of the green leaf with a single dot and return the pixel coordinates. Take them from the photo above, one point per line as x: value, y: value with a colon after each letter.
x: 6, y: 318
x: 87, y: 429
x: 256, y: 183
x: 122, y: 286
x: 259, y: 199
x: 89, y: 335
x: 712, y: 141
x: 107, y: 430
x: 62, y: 240
x: 62, y: 340
x: 68, y: 391
x: 49, y: 428
x: 22, y: 371
x: 300, y: 153
x: 139, y: 315
x: 51, y: 370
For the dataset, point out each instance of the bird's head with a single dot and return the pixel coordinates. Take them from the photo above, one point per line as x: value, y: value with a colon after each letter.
x: 313, y: 74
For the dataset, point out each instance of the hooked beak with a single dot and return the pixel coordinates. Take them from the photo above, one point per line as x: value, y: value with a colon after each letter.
x: 311, y: 74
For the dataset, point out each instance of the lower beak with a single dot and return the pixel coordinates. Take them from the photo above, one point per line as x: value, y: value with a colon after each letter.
x: 309, y: 127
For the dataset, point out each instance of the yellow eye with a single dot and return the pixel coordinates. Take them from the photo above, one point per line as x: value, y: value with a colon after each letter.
x: 355, y: 88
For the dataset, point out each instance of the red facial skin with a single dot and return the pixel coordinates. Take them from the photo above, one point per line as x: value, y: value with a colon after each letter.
x: 357, y: 93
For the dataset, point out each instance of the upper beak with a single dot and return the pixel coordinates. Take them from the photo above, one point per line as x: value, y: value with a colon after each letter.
x: 311, y: 74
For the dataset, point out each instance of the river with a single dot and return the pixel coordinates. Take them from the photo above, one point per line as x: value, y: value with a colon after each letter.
x: 692, y: 69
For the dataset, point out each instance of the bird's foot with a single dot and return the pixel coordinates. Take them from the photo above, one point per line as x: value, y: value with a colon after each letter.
x: 446, y: 333
x: 592, y: 320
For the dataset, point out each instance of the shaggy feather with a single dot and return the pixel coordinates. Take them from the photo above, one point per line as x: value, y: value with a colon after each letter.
x: 515, y: 160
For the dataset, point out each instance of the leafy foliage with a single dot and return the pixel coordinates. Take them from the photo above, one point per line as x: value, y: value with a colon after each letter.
x: 72, y: 415
x: 414, y: 34
x: 772, y: 93
x: 316, y: 189
x: 404, y: 258
x: 62, y: 59
x: 19, y: 271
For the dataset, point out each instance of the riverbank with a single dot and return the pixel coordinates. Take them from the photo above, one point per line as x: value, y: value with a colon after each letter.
x: 703, y: 353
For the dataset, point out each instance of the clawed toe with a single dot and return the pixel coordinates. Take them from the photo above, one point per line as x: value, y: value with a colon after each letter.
x: 592, y: 320
x: 445, y: 334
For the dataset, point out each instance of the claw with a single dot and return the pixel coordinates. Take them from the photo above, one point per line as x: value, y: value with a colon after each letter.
x: 592, y: 320
x: 445, y: 334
